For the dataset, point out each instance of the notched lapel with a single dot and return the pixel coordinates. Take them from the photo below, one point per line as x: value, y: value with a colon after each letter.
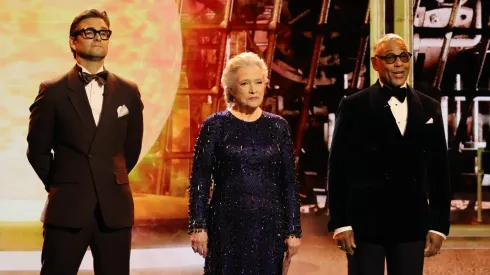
x: 78, y: 98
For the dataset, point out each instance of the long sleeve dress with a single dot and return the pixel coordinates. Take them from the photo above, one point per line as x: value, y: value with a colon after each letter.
x: 254, y: 206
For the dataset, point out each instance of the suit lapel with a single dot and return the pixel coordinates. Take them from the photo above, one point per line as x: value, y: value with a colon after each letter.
x: 416, y: 115
x: 385, y: 122
x: 79, y: 100
x: 108, y: 100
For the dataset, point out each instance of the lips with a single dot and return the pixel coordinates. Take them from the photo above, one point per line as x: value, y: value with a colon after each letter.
x: 253, y: 98
x: 399, y: 73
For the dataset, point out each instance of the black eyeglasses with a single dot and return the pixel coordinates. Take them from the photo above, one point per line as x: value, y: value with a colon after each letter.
x: 391, y: 58
x: 90, y: 33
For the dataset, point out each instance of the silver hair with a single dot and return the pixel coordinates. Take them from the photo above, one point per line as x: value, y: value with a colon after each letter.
x: 228, y: 79
x: 387, y: 38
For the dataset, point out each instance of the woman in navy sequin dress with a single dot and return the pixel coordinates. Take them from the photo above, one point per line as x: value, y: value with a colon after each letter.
x: 252, y: 218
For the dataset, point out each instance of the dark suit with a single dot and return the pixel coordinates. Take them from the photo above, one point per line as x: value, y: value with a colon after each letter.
x: 87, y: 177
x: 380, y: 181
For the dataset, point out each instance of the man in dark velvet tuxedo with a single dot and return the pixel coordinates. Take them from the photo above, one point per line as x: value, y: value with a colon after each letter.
x: 388, y: 185
x: 92, y: 121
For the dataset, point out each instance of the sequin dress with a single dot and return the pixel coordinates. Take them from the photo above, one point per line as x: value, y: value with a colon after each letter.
x: 254, y: 205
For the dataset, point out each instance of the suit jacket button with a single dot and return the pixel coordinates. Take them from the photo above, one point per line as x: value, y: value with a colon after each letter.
x: 89, y: 156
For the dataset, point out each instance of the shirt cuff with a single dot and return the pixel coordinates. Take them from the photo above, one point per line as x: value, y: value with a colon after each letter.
x: 438, y: 233
x: 340, y: 230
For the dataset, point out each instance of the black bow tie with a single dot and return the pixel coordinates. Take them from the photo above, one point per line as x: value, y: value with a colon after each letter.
x: 100, y: 77
x: 398, y: 92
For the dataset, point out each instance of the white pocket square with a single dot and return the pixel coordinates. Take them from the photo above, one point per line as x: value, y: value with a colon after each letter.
x: 122, y: 111
x: 430, y: 121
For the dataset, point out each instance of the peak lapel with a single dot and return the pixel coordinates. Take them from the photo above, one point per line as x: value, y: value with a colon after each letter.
x: 415, y: 116
x: 109, y: 90
x: 384, y: 119
x: 79, y: 100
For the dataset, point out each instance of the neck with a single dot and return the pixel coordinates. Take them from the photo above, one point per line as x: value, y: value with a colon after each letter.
x: 246, y: 113
x: 391, y: 86
x: 91, y: 66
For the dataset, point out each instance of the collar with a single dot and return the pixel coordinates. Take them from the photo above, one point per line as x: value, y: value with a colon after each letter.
x: 405, y: 85
x: 102, y: 68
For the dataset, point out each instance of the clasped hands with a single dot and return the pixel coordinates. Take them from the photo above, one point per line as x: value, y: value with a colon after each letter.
x: 433, y: 242
x: 199, y: 243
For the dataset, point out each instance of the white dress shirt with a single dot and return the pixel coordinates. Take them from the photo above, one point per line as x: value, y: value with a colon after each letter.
x: 95, y: 95
x: 400, y: 112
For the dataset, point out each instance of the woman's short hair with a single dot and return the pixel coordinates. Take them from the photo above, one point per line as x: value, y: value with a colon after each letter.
x: 238, y: 61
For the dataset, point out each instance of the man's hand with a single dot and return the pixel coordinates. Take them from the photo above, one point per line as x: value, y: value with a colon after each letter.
x: 433, y: 243
x: 345, y: 241
x: 293, y: 244
x: 199, y: 243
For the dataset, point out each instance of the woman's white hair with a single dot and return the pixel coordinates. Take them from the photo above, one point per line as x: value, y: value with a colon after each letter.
x: 228, y: 79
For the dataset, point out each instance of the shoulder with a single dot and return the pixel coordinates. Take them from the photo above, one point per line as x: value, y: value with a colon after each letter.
x: 127, y: 85
x: 276, y: 122
x: 357, y: 103
x: 125, y: 82
x: 215, y: 120
x: 55, y: 82
x: 427, y: 101
x: 50, y: 87
x: 273, y: 117
x: 360, y: 97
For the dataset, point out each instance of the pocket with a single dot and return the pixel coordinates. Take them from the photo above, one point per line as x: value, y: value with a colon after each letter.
x: 123, y: 120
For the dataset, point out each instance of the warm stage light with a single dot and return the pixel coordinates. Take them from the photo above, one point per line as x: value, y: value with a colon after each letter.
x: 146, y: 47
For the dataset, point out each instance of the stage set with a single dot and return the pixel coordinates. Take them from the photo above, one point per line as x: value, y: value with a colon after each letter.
x: 317, y: 51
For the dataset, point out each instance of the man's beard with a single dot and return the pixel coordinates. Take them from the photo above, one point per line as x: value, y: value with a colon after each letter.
x: 91, y: 57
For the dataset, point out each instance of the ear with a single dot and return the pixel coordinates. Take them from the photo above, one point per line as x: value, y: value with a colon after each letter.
x: 71, y: 40
x: 374, y: 63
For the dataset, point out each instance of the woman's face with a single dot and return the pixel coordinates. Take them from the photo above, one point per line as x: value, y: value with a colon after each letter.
x: 249, y: 87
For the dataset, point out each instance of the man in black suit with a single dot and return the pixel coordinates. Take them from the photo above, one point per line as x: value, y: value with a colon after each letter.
x: 92, y: 121
x: 388, y: 171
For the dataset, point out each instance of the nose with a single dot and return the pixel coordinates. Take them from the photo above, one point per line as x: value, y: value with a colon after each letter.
x: 398, y: 61
x: 97, y: 37
x: 252, y: 89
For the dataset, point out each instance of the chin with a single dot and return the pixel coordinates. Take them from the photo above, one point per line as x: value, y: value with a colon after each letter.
x: 398, y: 83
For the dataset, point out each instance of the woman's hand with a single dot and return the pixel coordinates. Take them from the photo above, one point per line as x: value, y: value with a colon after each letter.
x: 293, y: 244
x: 199, y: 243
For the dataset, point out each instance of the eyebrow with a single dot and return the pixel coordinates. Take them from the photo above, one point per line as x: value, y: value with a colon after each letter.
x: 248, y: 79
x: 90, y: 27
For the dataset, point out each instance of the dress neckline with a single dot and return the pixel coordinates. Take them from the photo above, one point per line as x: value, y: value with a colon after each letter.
x: 244, y: 121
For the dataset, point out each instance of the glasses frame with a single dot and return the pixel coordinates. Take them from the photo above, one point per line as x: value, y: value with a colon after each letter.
x: 84, y: 34
x: 384, y: 57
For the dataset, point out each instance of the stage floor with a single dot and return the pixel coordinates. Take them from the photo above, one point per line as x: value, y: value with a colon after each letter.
x: 318, y: 255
